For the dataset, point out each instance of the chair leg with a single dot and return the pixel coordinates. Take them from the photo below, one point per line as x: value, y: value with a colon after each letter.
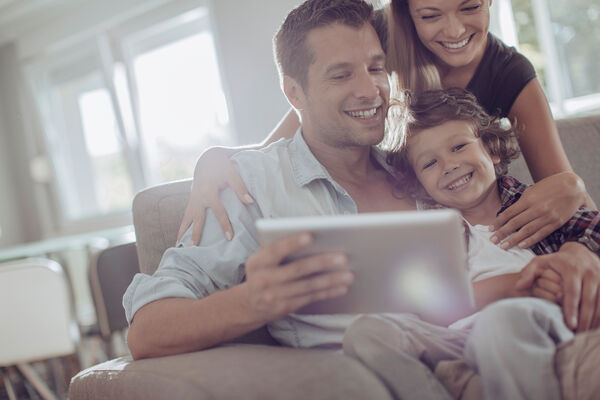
x: 10, y: 390
x: 36, y: 381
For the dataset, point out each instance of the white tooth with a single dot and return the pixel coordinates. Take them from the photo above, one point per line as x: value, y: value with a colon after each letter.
x: 460, y: 182
x: 363, y: 114
x: 454, y: 45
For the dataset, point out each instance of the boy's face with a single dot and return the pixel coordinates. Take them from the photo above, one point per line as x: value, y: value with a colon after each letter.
x: 453, y: 165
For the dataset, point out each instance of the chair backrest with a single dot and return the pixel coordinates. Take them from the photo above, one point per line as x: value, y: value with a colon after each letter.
x: 36, y: 314
x: 581, y: 139
x: 111, y: 271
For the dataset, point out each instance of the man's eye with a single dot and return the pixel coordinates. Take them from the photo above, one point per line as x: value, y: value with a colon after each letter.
x: 429, y: 164
x: 339, y: 77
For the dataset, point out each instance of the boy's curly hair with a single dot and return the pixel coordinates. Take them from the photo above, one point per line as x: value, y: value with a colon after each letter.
x: 416, y: 112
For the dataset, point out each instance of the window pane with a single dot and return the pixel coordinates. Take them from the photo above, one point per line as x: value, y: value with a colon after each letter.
x: 182, y: 105
x: 527, y: 34
x: 576, y: 27
x: 111, y: 179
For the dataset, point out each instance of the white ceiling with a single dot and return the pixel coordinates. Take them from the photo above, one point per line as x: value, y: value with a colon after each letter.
x: 18, y: 17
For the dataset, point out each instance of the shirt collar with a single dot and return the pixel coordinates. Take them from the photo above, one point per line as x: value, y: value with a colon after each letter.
x: 306, y: 168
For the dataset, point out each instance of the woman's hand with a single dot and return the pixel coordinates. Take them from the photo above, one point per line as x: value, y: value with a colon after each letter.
x: 214, y: 171
x: 542, y: 209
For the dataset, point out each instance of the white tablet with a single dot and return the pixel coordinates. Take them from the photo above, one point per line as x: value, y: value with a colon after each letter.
x: 412, y: 261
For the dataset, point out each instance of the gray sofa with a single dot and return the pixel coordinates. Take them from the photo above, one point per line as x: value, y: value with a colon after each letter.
x: 256, y: 368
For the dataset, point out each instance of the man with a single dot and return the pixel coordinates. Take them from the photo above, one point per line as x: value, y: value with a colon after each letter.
x: 332, y: 70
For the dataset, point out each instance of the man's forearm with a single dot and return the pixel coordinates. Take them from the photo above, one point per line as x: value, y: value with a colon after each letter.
x: 177, y: 325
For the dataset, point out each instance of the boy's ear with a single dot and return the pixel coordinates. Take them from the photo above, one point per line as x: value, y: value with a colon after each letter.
x: 495, y: 159
x: 294, y: 92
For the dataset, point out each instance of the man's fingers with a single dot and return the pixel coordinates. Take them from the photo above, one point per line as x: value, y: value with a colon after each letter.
x: 304, y: 300
x: 311, y: 265
x: 239, y: 187
x: 316, y: 283
x: 587, y: 307
x: 276, y: 252
x: 571, y: 298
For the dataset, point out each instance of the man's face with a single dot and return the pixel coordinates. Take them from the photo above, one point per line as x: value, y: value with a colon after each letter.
x: 345, y: 100
x: 453, y: 165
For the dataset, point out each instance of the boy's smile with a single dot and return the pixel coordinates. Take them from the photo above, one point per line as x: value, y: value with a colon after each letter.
x: 455, y: 168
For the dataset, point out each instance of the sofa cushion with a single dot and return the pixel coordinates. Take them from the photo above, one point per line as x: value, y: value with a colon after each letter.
x: 232, y: 372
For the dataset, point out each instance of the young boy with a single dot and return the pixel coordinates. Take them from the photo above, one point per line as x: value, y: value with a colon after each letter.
x: 455, y: 155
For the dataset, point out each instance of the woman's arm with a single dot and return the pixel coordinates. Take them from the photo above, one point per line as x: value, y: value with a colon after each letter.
x: 214, y: 172
x: 546, y: 206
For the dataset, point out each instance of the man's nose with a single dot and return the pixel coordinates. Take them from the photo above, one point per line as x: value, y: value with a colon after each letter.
x: 367, y: 85
x: 454, y: 27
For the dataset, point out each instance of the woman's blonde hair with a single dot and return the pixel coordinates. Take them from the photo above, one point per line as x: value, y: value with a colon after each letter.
x: 409, y: 62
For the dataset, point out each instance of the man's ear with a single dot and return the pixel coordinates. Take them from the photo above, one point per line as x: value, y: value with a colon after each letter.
x: 294, y: 92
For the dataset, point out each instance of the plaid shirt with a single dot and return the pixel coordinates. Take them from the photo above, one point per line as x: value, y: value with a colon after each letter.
x: 583, y: 227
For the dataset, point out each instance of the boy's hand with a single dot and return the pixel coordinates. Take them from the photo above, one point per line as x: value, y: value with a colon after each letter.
x: 548, y: 286
x: 579, y: 270
x: 275, y: 289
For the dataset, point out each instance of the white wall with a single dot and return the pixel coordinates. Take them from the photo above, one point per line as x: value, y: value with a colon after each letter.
x: 243, y: 35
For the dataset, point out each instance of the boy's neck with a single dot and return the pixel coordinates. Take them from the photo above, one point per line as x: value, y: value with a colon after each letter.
x: 484, y: 213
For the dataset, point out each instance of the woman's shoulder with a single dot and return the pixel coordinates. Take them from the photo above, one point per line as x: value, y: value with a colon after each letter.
x: 501, y: 75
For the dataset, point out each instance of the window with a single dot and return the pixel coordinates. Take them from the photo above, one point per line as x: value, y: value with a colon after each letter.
x: 561, y: 39
x: 130, y: 107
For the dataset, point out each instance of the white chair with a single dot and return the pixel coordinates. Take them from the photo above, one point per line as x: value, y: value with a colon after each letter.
x: 36, y: 318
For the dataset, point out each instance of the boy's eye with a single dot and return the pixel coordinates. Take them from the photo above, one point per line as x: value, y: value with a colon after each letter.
x: 377, y: 69
x: 429, y: 164
x: 458, y: 147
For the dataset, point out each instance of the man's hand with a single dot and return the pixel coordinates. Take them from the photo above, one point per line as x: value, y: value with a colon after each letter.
x: 275, y: 290
x: 579, y: 270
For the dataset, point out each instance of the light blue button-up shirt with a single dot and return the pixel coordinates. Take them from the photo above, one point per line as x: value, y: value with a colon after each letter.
x: 286, y: 180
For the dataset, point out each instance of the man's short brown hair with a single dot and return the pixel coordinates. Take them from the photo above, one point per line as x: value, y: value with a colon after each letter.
x: 432, y: 108
x: 292, y: 54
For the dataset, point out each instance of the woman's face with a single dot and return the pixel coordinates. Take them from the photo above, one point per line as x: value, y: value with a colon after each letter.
x: 454, y: 30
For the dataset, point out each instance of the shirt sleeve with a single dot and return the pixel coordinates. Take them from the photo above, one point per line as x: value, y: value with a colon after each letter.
x: 583, y: 227
x: 197, y: 271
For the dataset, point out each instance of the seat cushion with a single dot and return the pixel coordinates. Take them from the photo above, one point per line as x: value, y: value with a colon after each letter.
x: 231, y: 372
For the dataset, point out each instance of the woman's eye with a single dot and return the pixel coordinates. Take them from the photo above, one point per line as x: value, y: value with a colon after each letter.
x: 429, y: 17
x: 472, y: 8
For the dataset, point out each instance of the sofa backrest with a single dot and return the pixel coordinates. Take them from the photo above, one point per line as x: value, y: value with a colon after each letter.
x: 581, y: 138
x: 157, y: 213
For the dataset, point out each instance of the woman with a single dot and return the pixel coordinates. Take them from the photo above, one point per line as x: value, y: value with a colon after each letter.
x: 444, y: 43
